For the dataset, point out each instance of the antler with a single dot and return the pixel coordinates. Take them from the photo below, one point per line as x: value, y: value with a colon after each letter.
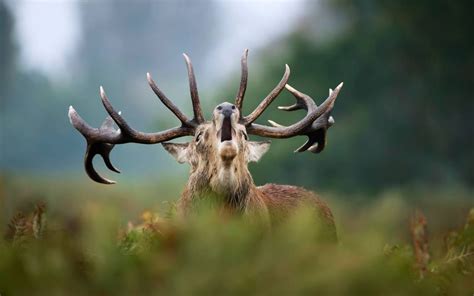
x: 314, y: 125
x: 103, y: 139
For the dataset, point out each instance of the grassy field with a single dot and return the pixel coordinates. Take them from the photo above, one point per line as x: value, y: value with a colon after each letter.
x: 68, y: 238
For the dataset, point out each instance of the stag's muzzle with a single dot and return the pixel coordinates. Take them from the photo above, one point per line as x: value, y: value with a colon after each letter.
x: 226, y: 116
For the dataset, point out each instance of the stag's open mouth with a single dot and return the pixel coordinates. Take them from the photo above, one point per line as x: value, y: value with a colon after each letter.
x: 226, y: 130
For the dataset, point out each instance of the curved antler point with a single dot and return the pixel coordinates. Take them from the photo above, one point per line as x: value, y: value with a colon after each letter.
x: 149, y: 78
x: 314, y: 148
x: 71, y: 113
x: 274, y: 124
x: 331, y: 120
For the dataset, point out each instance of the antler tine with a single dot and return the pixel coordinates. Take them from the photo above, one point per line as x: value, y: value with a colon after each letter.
x: 125, y: 129
x: 198, y: 116
x: 243, y: 81
x: 314, y: 124
x: 172, y: 107
x: 80, y: 124
x: 104, y: 151
x: 303, y: 101
x: 269, y: 99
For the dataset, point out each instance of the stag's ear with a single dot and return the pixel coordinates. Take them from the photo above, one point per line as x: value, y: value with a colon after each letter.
x: 257, y: 150
x: 178, y: 150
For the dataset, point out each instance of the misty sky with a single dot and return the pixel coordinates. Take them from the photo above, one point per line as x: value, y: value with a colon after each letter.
x: 48, y: 31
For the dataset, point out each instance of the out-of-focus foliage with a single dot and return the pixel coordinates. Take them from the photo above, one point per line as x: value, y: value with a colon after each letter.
x: 94, y: 252
x: 404, y: 115
x: 28, y: 107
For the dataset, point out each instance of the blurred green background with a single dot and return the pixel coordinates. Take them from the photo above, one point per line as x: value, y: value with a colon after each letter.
x: 403, y: 119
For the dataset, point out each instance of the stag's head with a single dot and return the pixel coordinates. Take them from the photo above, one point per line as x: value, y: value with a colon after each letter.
x: 219, y: 152
x: 220, y: 148
x: 223, y: 141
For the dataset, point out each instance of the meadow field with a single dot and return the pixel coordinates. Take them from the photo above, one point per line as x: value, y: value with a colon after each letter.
x: 74, y: 239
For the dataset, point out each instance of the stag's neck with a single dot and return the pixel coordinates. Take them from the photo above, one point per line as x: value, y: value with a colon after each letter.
x: 232, y: 185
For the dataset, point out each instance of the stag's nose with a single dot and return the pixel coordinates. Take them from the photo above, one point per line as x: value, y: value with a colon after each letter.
x: 226, y: 109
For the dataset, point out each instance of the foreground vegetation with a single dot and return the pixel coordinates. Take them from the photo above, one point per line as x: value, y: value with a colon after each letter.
x: 384, y: 249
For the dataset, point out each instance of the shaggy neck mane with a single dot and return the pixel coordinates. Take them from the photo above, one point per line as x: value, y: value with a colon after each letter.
x: 230, y: 184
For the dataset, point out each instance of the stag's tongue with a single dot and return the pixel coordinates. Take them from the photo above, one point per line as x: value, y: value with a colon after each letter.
x: 226, y: 132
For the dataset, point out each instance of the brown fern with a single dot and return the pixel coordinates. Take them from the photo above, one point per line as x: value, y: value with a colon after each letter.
x: 23, y: 227
x: 38, y: 220
x: 17, y: 229
x: 419, y: 231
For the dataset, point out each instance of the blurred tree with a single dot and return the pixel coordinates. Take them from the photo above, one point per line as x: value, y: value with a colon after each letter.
x: 7, y: 66
x: 121, y: 42
x: 23, y: 141
x: 404, y: 116
x: 147, y: 33
x: 7, y: 52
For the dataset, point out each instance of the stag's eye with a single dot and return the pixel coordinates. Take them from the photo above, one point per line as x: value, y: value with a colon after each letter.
x: 198, y: 137
x: 246, y: 137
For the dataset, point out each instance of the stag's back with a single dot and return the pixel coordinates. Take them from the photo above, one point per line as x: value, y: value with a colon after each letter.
x: 282, y: 200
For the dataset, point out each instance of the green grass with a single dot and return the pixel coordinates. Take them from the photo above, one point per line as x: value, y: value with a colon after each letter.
x: 104, y: 246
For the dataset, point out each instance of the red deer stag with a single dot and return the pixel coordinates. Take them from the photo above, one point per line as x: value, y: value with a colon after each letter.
x: 220, y: 149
